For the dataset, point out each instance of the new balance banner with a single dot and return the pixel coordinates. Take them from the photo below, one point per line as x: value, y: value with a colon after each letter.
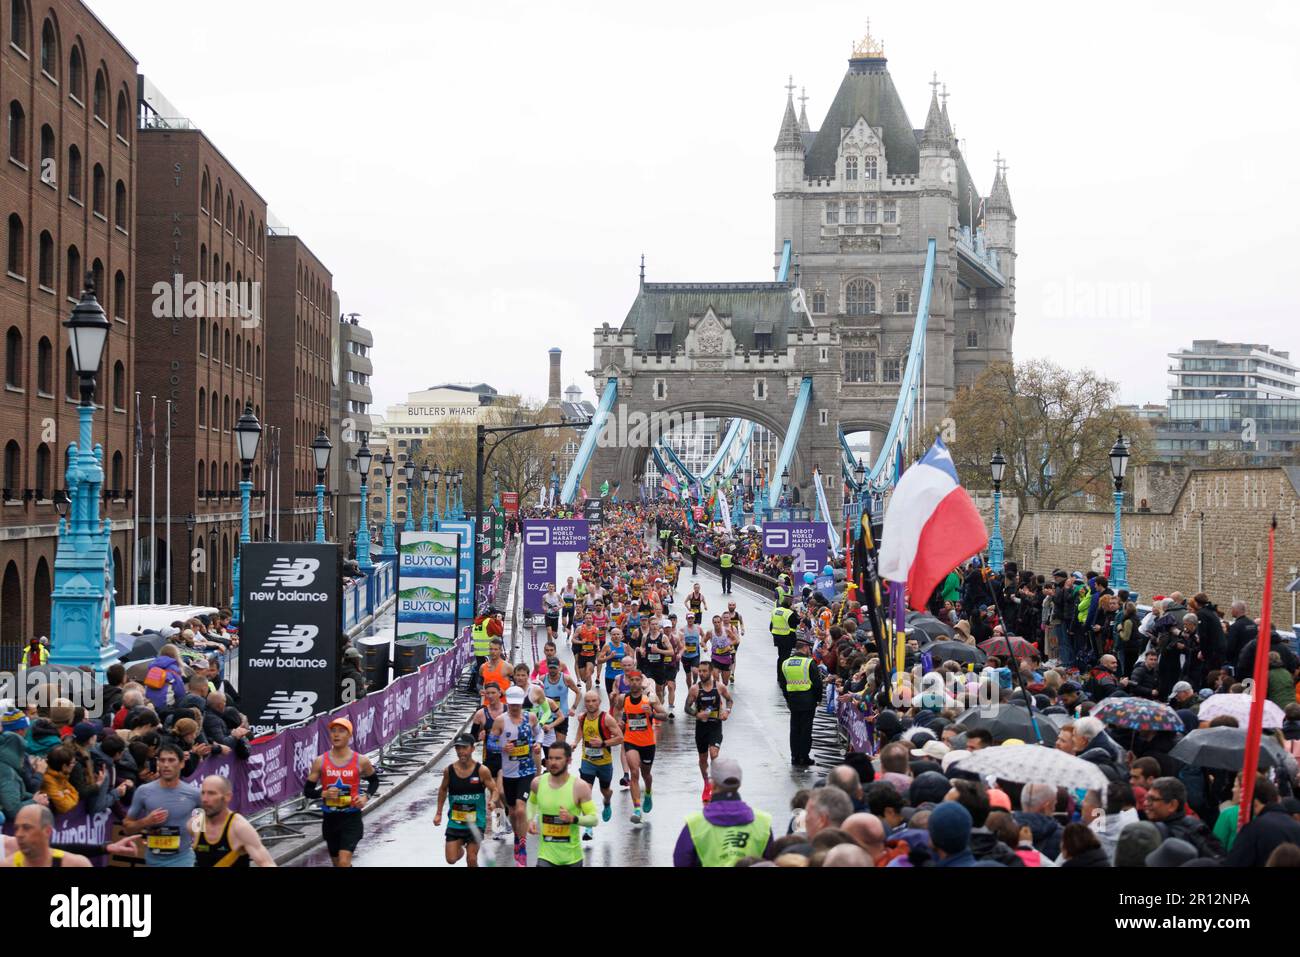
x: 289, y: 606
x: 465, y: 590
x: 806, y: 540
x: 543, y: 540
x: 593, y: 510
x: 428, y: 584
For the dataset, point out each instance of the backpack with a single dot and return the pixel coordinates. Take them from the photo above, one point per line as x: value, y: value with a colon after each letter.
x: 156, y: 678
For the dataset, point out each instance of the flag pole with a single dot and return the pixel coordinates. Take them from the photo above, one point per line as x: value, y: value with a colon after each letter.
x: 168, y: 524
x: 153, y: 497
x: 1258, y: 691
x: 135, y: 497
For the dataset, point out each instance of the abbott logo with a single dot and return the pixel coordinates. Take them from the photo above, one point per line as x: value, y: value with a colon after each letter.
x: 291, y: 640
x: 537, y: 536
x: 290, y: 706
x: 292, y: 573
x: 777, y: 538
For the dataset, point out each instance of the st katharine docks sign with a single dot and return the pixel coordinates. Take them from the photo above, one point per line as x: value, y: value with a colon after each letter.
x: 289, y: 635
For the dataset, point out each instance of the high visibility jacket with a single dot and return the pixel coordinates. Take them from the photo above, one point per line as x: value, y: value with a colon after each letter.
x: 43, y: 656
x: 482, y: 640
x: 718, y: 846
x: 725, y: 559
x: 797, y: 671
x: 781, y: 621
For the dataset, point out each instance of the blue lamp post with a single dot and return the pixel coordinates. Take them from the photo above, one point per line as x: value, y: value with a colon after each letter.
x: 248, y: 433
x: 460, y: 495
x: 496, y: 488
x: 320, y: 450
x: 437, y: 494
x: 82, y: 620
x: 364, y: 456
x: 425, y: 471
x: 785, y: 492
x: 390, y: 532
x: 998, y: 468
x: 860, y: 476
x: 555, y: 480
x: 409, y: 471
x: 1119, y: 456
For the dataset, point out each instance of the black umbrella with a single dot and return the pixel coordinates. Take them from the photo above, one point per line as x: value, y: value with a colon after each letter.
x: 955, y: 651
x: 1006, y: 721
x: 145, y: 648
x: 1224, y: 749
x: 927, y: 627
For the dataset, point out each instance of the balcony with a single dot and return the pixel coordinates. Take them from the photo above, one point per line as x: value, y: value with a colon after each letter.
x: 977, y: 265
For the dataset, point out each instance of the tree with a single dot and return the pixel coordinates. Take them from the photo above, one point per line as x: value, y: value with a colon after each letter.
x: 1055, y: 427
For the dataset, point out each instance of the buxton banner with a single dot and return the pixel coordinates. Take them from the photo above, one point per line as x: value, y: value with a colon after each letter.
x: 543, y: 540
x: 428, y: 582
x: 289, y: 604
x: 791, y: 539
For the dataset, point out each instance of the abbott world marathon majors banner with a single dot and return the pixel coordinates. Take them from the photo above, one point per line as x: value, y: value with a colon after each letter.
x: 551, y: 548
x: 428, y: 583
x: 807, y: 543
x: 289, y: 605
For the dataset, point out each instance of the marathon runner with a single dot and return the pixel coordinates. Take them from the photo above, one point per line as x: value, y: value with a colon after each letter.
x: 336, y: 777
x: 549, y: 651
x: 639, y: 710
x: 611, y: 656
x: 736, y: 629
x: 484, y: 718
x: 162, y: 810
x: 496, y: 670
x: 597, y: 734
x: 721, y: 649
x: 710, y: 702
x: 568, y: 601
x: 691, y: 638
x: 518, y: 734
x: 472, y: 790
x: 557, y: 806
x: 556, y: 685
x: 33, y: 830
x: 695, y: 602
x: 551, y: 610
x: 221, y: 837
x: 586, y: 647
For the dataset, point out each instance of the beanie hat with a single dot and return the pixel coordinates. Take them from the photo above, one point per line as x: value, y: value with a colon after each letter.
x: 14, y: 720
x: 950, y: 826
x: 928, y: 786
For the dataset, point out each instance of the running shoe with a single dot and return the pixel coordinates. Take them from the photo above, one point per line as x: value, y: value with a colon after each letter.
x: 606, y: 814
x: 672, y: 716
x: 625, y: 782
x: 521, y: 854
x: 648, y: 803
x: 708, y: 793
x: 636, y: 816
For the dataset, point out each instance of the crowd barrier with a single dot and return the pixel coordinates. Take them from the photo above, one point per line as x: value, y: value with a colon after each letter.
x: 366, y: 597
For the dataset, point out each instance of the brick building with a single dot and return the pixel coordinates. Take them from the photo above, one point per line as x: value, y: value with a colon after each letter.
x: 68, y: 192
x: 199, y: 221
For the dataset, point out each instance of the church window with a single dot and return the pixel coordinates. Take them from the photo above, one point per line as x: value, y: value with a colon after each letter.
x: 859, y: 298
x: 850, y: 212
x: 832, y: 213
x: 819, y: 303
x: 892, y: 370
x: 891, y: 211
x: 870, y: 168
x: 972, y: 338
x: 902, y: 301
x: 869, y: 213
x: 860, y: 365
x: 851, y: 167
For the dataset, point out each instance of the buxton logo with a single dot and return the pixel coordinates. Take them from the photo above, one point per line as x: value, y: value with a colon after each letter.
x: 290, y: 706
x: 291, y: 640
x: 292, y: 573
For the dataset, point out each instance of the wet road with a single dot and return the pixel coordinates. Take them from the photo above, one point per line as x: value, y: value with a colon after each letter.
x: 401, y: 833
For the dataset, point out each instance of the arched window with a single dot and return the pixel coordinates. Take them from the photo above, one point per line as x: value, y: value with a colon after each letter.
x: 74, y: 273
x: 77, y: 75
x: 230, y: 212
x: 98, y: 192
x: 205, y: 191
x: 225, y: 476
x: 203, y: 409
x: 45, y: 262
x: 18, y: 25
x: 50, y: 50
x: 214, y: 422
x: 252, y: 230
x: 239, y: 224
x: 212, y: 478
x: 119, y: 206
x: 44, y: 477
x: 261, y: 239
x: 225, y: 414
x: 123, y: 115
x: 216, y: 343
x: 49, y: 161
x: 225, y: 349
x: 203, y: 341
x: 74, y: 173
x: 16, y: 246
x: 14, y: 358
x: 97, y: 277
x: 203, y: 262
x: 45, y: 367
x: 216, y: 202
x: 248, y: 356
x: 819, y: 303
x: 101, y: 96
x: 859, y: 298
x: 13, y: 469
x: 117, y: 475
x: 216, y: 268
x: 17, y: 133
x: 850, y: 167
x: 239, y: 352
x: 972, y: 338
x: 119, y: 295
x: 119, y: 386
x: 202, y: 476
x: 871, y: 168
x: 70, y: 379
x: 257, y: 367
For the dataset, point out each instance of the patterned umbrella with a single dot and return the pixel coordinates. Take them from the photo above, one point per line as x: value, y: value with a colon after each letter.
x: 1238, y: 705
x: 1027, y: 764
x: 1018, y: 647
x: 1138, y: 714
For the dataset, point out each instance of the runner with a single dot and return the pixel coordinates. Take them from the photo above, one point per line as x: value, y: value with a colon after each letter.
x: 221, y: 837
x: 336, y: 778
x: 639, y: 711
x: 551, y: 610
x: 690, y: 650
x: 162, y: 809
x: 721, y: 648
x: 473, y: 790
x: 568, y: 601
x: 736, y: 630
x: 556, y: 686
x: 710, y: 702
x: 695, y: 602
x: 496, y: 670
x: 586, y: 647
x: 518, y: 734
x: 484, y: 718
x: 563, y: 805
x: 611, y: 656
x: 33, y: 831
x: 597, y: 734
x: 549, y: 651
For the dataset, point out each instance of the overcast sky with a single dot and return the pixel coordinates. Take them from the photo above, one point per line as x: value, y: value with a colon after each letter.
x: 483, y: 178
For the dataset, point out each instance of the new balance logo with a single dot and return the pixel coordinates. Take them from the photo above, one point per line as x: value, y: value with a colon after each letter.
x: 292, y: 573
x: 289, y: 707
x: 291, y: 640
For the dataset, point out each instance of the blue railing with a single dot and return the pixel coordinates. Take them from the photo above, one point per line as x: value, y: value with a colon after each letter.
x: 588, y: 446
x: 791, y: 441
x: 367, y: 597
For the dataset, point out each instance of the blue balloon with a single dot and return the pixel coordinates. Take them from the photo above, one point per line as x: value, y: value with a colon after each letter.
x: 809, y: 578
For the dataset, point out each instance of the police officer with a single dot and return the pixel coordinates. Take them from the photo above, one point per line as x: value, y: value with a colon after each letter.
x: 725, y: 562
x: 784, y: 622
x: 801, y: 680
x: 486, y: 627
x: 695, y: 559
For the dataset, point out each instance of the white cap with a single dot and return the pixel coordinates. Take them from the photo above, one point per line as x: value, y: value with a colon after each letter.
x: 515, y: 695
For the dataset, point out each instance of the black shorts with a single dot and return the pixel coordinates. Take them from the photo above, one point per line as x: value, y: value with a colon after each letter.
x: 542, y: 863
x: 492, y: 761
x: 562, y: 730
x: 647, y: 752
x: 670, y: 670
x: 567, y: 614
x: 552, y: 621
x: 342, y: 830
x: 610, y: 681
x: 708, y: 734
x: 461, y: 834
x: 585, y: 660
x: 516, y: 789
x: 690, y: 661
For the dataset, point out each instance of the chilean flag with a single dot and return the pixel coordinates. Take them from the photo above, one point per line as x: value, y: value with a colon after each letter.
x: 931, y: 527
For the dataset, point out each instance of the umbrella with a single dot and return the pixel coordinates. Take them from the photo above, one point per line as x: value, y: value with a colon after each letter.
x: 1224, y: 749
x: 1018, y: 647
x: 145, y: 648
x: 955, y: 651
x: 1138, y: 714
x: 1238, y: 706
x: 1027, y: 764
x: 1005, y: 721
x: 925, y: 626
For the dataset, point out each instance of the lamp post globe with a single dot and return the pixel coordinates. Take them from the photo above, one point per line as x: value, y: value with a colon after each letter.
x: 1119, y: 457
x: 997, y: 469
x: 390, y: 531
x: 248, y: 435
x: 364, y: 458
x: 321, y: 448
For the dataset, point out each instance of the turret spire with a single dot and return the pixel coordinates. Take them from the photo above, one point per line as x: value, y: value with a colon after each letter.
x: 790, y: 139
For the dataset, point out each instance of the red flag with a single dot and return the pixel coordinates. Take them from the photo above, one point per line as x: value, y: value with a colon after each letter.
x: 1259, y: 691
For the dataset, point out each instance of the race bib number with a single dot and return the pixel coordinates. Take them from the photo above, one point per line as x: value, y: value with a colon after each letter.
x: 519, y: 750
x: 463, y: 814
x: 337, y: 798
x: 555, y: 831
x: 593, y: 753
x: 637, y: 722
x: 164, y: 841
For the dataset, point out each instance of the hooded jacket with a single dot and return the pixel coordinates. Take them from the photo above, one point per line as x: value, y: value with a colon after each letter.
x: 14, y: 794
x: 1046, y: 831
x: 984, y: 844
x: 175, y: 683
x: 723, y: 812
x: 1258, y: 839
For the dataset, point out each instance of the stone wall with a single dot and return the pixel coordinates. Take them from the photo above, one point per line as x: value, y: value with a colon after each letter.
x: 1214, y: 538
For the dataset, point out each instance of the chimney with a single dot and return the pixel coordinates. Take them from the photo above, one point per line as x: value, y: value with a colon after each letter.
x: 555, y: 389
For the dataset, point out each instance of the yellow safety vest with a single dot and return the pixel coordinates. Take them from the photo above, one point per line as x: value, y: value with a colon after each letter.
x: 44, y: 657
x: 781, y: 621
x: 725, y: 559
x: 482, y: 640
x: 718, y: 846
x: 798, y: 674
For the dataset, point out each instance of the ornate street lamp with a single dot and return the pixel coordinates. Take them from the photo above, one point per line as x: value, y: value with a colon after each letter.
x: 248, y: 433
x: 437, y: 494
x: 390, y: 532
x: 1119, y: 456
x: 409, y: 472
x: 320, y: 450
x: 364, y: 457
x: 997, y: 468
x: 190, y: 521
x: 425, y: 472
x: 496, y: 488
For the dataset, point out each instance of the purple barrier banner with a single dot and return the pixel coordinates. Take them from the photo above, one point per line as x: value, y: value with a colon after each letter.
x: 78, y: 827
x: 857, y: 727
